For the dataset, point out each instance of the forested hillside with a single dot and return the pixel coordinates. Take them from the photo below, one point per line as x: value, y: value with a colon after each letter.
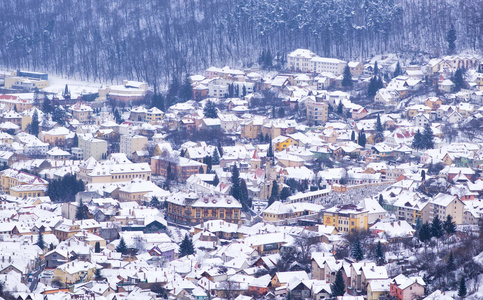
x: 154, y: 40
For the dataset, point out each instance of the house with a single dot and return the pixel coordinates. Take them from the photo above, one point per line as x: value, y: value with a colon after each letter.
x: 260, y: 285
x: 346, y: 218
x: 181, y: 168
x: 377, y: 289
x: 55, y: 258
x: 75, y: 271
x: 406, y: 288
x: 282, y: 278
x: 444, y: 205
x: 370, y: 273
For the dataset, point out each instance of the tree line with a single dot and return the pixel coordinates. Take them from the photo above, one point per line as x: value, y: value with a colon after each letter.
x: 161, y: 40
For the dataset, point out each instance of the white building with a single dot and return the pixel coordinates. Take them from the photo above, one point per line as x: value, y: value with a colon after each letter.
x: 299, y: 60
x: 130, y: 144
x: 92, y: 147
x: 324, y: 64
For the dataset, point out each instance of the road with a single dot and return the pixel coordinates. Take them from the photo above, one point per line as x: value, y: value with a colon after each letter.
x: 35, y: 278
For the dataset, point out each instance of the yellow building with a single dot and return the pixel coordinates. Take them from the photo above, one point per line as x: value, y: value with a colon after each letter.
x: 119, y: 173
x: 281, y: 143
x: 75, y: 271
x: 269, y: 243
x: 55, y: 136
x: 377, y: 289
x: 193, y: 209
x: 25, y: 83
x: 81, y: 112
x: 28, y: 190
x: 346, y: 218
x: 154, y: 115
x: 277, y: 212
x: 66, y: 230
x: 10, y: 178
x: 251, y: 129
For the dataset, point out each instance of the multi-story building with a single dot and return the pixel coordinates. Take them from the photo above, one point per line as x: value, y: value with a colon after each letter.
x: 327, y: 65
x: 130, y: 144
x: 317, y: 112
x: 194, y: 209
x: 154, y: 115
x: 444, y: 205
x: 346, y: 218
x: 119, y: 173
x: 55, y: 136
x: 81, y: 112
x: 95, y: 148
x: 181, y: 168
x: 300, y: 60
x: 11, y: 178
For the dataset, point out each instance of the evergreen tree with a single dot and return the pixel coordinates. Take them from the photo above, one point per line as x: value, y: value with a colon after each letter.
x: 462, y: 288
x: 285, y: 193
x: 437, y: 227
x: 34, y: 128
x: 158, y: 102
x: 200, y: 170
x: 235, y: 181
x: 379, y: 130
x: 274, y: 193
x: 51, y: 247
x: 244, y: 199
x: 376, y: 69
x: 186, y: 90
x: 356, y: 250
x: 98, y: 276
x: 423, y: 175
x: 267, y: 138
x: 381, y: 200
x: 398, y: 70
x: 374, y: 85
x: 270, y: 153
x: 216, y: 158
x: 338, y: 287
x: 40, y: 240
x: 154, y: 201
x: 451, y: 39
x: 244, y: 91
x: 424, y: 233
x: 47, y: 105
x: 281, y: 112
x: 353, y: 136
x: 210, y: 110
x: 458, y: 80
x: 340, y: 107
x: 417, y: 140
x: 117, y: 116
x: 122, y: 247
x: 75, y: 141
x: 173, y: 92
x: 97, y: 247
x: 274, y: 112
x: 379, y: 254
x: 208, y: 161
x: 216, y: 181
x: 449, y: 226
x: 231, y: 90
x: 81, y: 212
x: 362, y: 138
x: 450, y: 264
x: 347, y: 79
x: 427, y: 139
x: 186, y: 247
x: 59, y: 115
x: 220, y: 149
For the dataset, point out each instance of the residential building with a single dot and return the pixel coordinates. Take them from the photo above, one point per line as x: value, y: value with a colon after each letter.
x: 193, y: 209
x: 11, y: 178
x: 346, y: 218
x: 181, y: 168
x: 75, y: 271
x: 91, y: 147
x: 300, y: 60
x: 119, y: 173
x: 317, y: 112
x: 444, y: 205
x: 130, y: 144
x: 327, y: 65
x: 407, y: 288
x: 81, y: 112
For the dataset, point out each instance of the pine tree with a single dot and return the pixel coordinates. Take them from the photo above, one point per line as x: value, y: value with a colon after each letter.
x: 208, y: 161
x: 458, y: 80
x: 451, y: 39
x: 450, y: 264
x: 424, y: 233
x: 216, y: 158
x: 75, y: 141
x: 362, y: 138
x: 235, y: 181
x: 98, y: 276
x: 216, y: 181
x: 437, y: 227
x: 379, y: 130
x: 186, y: 247
x: 210, y: 110
x: 40, y: 240
x: 347, y: 79
x: 186, y: 90
x: 356, y: 250
x: 379, y: 254
x: 449, y: 226
x: 398, y: 70
x: 353, y: 136
x: 244, y: 91
x: 34, y: 127
x: 274, y: 193
x: 220, y: 149
x: 81, y: 212
x: 47, y: 105
x: 381, y: 200
x: 270, y: 153
x: 338, y: 287
x: 97, y: 247
x: 244, y: 199
x: 376, y: 69
x: 154, y: 201
x: 122, y: 247
x: 417, y: 140
x: 281, y: 112
x: 423, y: 175
x: 462, y: 288
x: 285, y: 193
x: 427, y: 139
x: 340, y: 107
